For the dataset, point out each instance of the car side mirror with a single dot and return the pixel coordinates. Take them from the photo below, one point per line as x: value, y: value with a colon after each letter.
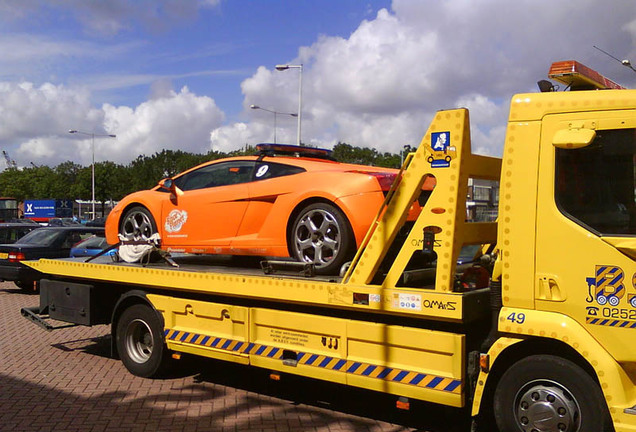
x: 168, y: 184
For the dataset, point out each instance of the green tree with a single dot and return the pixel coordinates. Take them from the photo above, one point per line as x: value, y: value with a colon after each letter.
x: 66, y: 182
x: 114, y: 181
x: 347, y: 153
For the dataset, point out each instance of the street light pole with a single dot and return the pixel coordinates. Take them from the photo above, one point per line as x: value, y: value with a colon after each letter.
x: 92, y: 135
x: 256, y: 107
x: 300, y: 91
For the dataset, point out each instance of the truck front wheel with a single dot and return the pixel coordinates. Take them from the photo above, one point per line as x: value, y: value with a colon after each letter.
x: 140, y: 341
x: 548, y: 393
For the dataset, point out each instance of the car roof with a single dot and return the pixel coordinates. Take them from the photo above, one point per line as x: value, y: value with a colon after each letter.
x: 309, y: 164
x: 18, y: 225
x: 73, y: 228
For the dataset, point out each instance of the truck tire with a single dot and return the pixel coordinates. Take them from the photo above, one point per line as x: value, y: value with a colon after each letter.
x: 548, y: 393
x: 140, y: 342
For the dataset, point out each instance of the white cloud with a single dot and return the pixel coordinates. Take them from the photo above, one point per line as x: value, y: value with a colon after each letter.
x: 231, y: 137
x: 180, y: 121
x: 381, y: 86
x: 38, y: 118
x: 27, y: 111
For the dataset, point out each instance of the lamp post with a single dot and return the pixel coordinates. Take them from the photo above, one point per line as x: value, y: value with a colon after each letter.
x: 406, y: 149
x: 300, y: 91
x: 256, y: 107
x: 92, y: 135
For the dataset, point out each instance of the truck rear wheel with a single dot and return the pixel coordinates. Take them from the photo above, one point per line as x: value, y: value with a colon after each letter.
x: 140, y: 342
x: 548, y: 393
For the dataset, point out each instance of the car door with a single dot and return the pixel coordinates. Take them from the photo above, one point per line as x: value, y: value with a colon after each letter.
x: 258, y: 229
x: 210, y: 209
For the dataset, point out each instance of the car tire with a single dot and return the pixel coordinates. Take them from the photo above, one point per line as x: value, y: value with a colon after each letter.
x: 322, y: 235
x: 545, y: 392
x: 27, y: 286
x: 137, y: 224
x: 140, y: 342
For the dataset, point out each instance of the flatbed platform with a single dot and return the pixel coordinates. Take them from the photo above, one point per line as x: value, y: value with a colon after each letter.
x: 244, y: 265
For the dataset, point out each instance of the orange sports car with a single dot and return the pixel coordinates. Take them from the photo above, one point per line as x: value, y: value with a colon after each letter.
x: 287, y: 201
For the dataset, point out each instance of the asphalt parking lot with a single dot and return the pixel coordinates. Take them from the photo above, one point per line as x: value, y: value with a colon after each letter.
x: 65, y: 380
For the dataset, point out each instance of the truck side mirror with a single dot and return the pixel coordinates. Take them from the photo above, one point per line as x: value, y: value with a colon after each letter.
x: 573, y: 138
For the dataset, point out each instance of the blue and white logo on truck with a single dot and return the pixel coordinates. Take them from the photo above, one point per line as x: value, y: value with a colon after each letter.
x: 441, y: 150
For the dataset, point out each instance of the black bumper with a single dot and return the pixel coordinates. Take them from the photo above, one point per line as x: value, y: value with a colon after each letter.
x: 18, y: 272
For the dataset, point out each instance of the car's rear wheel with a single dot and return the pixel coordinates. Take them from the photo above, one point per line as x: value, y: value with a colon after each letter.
x: 137, y: 224
x: 321, y: 235
x: 27, y: 286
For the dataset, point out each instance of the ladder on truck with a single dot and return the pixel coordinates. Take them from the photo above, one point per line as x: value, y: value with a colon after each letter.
x: 445, y: 154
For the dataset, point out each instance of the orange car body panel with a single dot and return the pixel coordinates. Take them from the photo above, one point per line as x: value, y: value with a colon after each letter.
x: 252, y: 218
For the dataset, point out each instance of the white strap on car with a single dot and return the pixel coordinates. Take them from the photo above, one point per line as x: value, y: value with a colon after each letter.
x: 136, y: 251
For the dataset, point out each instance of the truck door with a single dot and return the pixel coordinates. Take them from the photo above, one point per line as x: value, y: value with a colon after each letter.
x: 586, y: 224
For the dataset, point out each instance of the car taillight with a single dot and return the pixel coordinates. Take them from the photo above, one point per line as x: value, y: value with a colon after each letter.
x: 384, y: 179
x: 16, y: 256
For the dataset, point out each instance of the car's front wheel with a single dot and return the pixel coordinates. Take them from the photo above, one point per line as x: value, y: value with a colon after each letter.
x: 321, y: 235
x: 137, y: 224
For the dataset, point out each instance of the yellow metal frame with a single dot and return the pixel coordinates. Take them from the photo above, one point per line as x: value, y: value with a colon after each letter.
x: 417, y: 363
x: 445, y: 210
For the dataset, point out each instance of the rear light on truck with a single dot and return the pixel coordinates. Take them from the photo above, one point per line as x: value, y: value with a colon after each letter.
x: 16, y: 256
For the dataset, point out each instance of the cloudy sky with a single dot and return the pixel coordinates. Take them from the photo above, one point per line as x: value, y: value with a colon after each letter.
x: 182, y: 74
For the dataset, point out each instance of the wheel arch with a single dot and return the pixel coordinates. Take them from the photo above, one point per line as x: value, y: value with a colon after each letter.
x: 131, y: 205
x: 128, y: 299
x: 514, y: 352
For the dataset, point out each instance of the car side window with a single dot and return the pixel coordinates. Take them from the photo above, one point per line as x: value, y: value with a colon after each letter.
x: 266, y: 170
x: 213, y: 175
x: 71, y: 239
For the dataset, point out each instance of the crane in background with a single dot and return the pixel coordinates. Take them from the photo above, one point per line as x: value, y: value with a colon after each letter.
x: 10, y: 162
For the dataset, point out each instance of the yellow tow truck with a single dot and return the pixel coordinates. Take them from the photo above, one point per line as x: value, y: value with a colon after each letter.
x: 534, y: 333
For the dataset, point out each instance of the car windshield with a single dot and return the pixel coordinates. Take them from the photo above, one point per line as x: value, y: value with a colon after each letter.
x: 41, y: 237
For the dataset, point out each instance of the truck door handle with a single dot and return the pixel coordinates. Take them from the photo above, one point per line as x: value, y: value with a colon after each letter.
x: 550, y: 290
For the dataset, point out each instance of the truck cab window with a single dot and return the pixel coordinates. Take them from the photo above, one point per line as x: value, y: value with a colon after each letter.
x: 595, y: 184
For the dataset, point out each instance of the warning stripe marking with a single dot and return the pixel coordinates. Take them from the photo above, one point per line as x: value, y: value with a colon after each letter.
x: 608, y: 322
x: 385, y: 373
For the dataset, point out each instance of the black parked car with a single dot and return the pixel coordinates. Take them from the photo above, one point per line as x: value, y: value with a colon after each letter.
x: 99, y: 222
x: 45, y: 242
x: 11, y: 232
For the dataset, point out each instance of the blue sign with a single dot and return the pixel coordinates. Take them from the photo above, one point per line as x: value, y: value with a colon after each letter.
x: 46, y: 209
x: 441, y: 150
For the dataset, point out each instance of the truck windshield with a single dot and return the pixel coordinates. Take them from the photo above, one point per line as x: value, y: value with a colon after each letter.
x: 595, y: 184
